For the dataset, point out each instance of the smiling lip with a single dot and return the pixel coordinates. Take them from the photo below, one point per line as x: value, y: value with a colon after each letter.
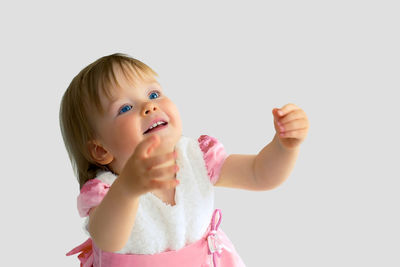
x: 160, y: 126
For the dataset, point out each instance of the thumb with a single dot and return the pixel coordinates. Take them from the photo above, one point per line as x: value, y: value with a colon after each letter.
x: 275, y: 113
x: 147, y: 146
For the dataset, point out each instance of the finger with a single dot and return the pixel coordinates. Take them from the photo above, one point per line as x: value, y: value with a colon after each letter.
x: 293, y: 125
x: 163, y: 177
x: 147, y: 146
x: 294, y: 115
x: 286, y: 109
x: 160, y: 159
x: 276, y: 112
x: 163, y: 172
x: 163, y: 184
x: 299, y: 133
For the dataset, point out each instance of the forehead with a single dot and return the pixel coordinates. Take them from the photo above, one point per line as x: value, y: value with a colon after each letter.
x: 122, y: 78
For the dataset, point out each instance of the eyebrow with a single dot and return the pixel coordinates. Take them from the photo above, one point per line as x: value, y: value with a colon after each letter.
x: 115, y: 99
x: 111, y: 103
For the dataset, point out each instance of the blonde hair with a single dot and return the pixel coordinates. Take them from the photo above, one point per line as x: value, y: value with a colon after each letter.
x: 81, y: 95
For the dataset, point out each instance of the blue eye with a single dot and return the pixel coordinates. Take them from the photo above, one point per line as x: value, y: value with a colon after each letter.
x: 125, y: 109
x: 154, y: 93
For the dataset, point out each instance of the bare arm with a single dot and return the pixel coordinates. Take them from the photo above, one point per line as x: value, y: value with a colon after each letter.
x: 237, y: 172
x: 273, y: 164
x: 111, y: 222
x: 264, y: 171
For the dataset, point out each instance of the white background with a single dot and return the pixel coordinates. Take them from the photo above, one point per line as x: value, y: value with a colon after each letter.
x: 226, y: 65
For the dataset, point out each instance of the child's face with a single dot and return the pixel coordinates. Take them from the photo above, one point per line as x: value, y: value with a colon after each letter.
x: 125, y: 120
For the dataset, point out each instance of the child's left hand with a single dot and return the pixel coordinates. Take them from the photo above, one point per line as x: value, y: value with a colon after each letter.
x: 294, y: 123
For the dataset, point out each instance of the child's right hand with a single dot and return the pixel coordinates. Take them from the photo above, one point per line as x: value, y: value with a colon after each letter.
x: 140, y: 172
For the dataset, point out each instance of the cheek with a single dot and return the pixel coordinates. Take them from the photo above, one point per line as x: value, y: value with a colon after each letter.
x: 178, y: 121
x: 174, y: 113
x: 126, y: 136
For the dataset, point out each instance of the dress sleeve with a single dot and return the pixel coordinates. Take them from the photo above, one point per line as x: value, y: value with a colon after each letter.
x: 91, y: 194
x: 214, y: 155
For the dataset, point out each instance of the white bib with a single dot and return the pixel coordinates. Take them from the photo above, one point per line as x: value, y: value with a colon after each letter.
x: 159, y: 226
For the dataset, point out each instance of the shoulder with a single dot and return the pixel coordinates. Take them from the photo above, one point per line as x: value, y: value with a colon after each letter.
x: 103, y: 180
x: 207, y: 142
x: 211, y: 148
x: 93, y: 191
x: 214, y: 155
x: 106, y: 177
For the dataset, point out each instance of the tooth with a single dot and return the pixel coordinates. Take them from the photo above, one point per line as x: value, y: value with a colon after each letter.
x: 156, y: 124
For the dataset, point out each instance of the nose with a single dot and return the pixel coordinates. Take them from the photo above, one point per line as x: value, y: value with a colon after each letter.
x: 149, y: 107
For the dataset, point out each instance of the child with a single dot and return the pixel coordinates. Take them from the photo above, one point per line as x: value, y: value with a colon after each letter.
x: 147, y: 190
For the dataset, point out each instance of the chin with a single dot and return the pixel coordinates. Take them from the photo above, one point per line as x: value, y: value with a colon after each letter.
x: 168, y: 140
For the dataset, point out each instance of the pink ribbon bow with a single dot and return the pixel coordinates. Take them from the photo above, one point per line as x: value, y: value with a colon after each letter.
x: 86, y: 255
x: 215, y: 245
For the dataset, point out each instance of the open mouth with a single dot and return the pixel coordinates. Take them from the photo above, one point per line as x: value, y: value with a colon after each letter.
x: 160, y: 125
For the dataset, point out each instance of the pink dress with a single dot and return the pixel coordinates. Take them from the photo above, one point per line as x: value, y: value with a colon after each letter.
x: 213, y: 249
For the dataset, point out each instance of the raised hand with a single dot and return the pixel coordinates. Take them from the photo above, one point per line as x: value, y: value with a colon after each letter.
x: 291, y: 125
x: 143, y: 172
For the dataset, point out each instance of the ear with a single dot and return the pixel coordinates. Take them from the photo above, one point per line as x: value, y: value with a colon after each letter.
x: 99, y: 153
